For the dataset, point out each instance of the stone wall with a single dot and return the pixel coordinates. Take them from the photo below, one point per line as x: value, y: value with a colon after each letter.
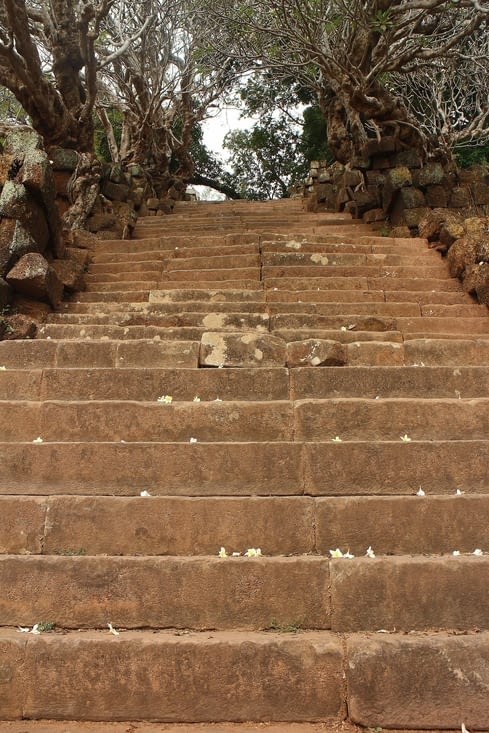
x: 400, y: 196
x: 36, y: 266
x: 393, y: 188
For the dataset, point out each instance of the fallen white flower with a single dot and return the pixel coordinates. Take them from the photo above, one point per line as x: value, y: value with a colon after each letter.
x: 38, y: 440
x: 222, y: 552
x: 337, y: 439
x: 236, y: 554
x: 343, y: 328
x: 459, y: 492
x: 196, y: 399
x: 23, y: 629
x: 338, y: 553
x: 478, y: 552
x: 420, y: 492
x: 253, y: 552
x: 218, y: 399
x: 112, y: 630
x: 144, y: 493
x: 166, y: 399
x: 3, y: 368
x: 370, y: 552
x: 35, y: 629
x: 456, y: 553
x: 405, y: 438
x: 193, y: 440
x: 464, y: 729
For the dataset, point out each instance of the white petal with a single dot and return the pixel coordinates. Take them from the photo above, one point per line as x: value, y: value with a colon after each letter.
x: 464, y: 729
x: 478, y: 552
x: 112, y: 630
x: 456, y: 553
x: 144, y: 493
x: 420, y: 492
x: 193, y: 440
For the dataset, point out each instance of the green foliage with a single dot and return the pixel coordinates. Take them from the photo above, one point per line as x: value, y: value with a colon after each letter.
x: 266, y: 159
x: 470, y: 155
x: 314, y: 145
x: 46, y: 626
x: 286, y: 628
x: 382, y: 21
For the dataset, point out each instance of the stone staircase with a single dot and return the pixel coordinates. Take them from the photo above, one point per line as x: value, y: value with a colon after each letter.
x: 242, y: 376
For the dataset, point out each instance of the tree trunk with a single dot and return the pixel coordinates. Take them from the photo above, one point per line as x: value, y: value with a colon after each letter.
x: 83, y: 190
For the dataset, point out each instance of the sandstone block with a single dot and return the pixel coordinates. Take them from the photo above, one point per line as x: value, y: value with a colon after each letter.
x: 316, y: 352
x: 70, y: 273
x: 374, y: 215
x: 461, y: 256
x: 460, y: 198
x: 429, y: 174
x: 20, y: 326
x: 37, y: 176
x: 115, y: 191
x: 241, y: 349
x: 34, y: 277
x: 437, y: 196
x: 411, y: 197
x: 428, y: 682
x: 480, y: 193
x: 63, y: 159
x: 375, y: 353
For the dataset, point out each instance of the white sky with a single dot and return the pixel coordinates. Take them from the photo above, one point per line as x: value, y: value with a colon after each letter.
x: 216, y: 129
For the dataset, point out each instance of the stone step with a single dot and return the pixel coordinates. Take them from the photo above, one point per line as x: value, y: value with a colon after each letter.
x: 227, y: 316
x: 241, y: 383
x: 447, y: 352
x: 200, y: 593
x: 324, y: 258
x: 169, y: 672
x: 102, y: 421
x: 108, y: 354
x: 118, y: 285
x: 413, y: 593
x: 114, y: 311
x: 362, y: 322
x: 122, y: 277
x: 188, y: 526
x: 234, y: 283
x: 362, y: 283
x: 213, y: 262
x: 145, y: 384
x: 241, y: 469
x: 120, y: 296
x: 356, y: 245
x: 386, y: 381
x: 44, y: 670
x: 130, y: 333
x: 370, y: 271
x: 212, y: 275
x: 378, y: 419
x: 118, y: 268
x: 49, y: 726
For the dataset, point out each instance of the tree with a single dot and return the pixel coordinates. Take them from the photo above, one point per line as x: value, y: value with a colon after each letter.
x: 164, y: 85
x: 346, y: 51
x: 266, y: 159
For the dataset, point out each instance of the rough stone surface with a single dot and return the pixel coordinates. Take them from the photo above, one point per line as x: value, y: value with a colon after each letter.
x: 70, y: 273
x: 426, y: 682
x: 34, y: 277
x: 20, y: 326
x: 241, y: 349
x: 316, y: 352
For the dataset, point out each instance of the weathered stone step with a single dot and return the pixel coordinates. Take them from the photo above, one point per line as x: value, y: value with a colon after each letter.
x: 370, y: 271
x: 335, y: 282
x: 340, y: 259
x: 307, y: 420
x: 212, y: 262
x: 132, y: 525
x: 213, y: 275
x: 447, y: 352
x: 118, y: 285
x: 124, y: 260
x: 82, y: 313
x: 44, y: 670
x: 120, y: 296
x: 199, y: 250
x: 240, y: 469
x: 345, y: 595
x: 126, y: 469
x: 49, y: 726
x: 334, y: 245
x: 208, y: 295
x: 169, y: 525
x: 386, y: 381
x: 101, y: 421
x: 126, y: 276
x: 117, y: 267
x: 205, y: 316
x: 384, y: 418
x: 234, y: 283
x: 169, y: 592
x: 361, y: 322
x: 429, y: 296
x: 144, y: 384
x: 131, y: 333
x: 196, y: 677
x: 47, y: 352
